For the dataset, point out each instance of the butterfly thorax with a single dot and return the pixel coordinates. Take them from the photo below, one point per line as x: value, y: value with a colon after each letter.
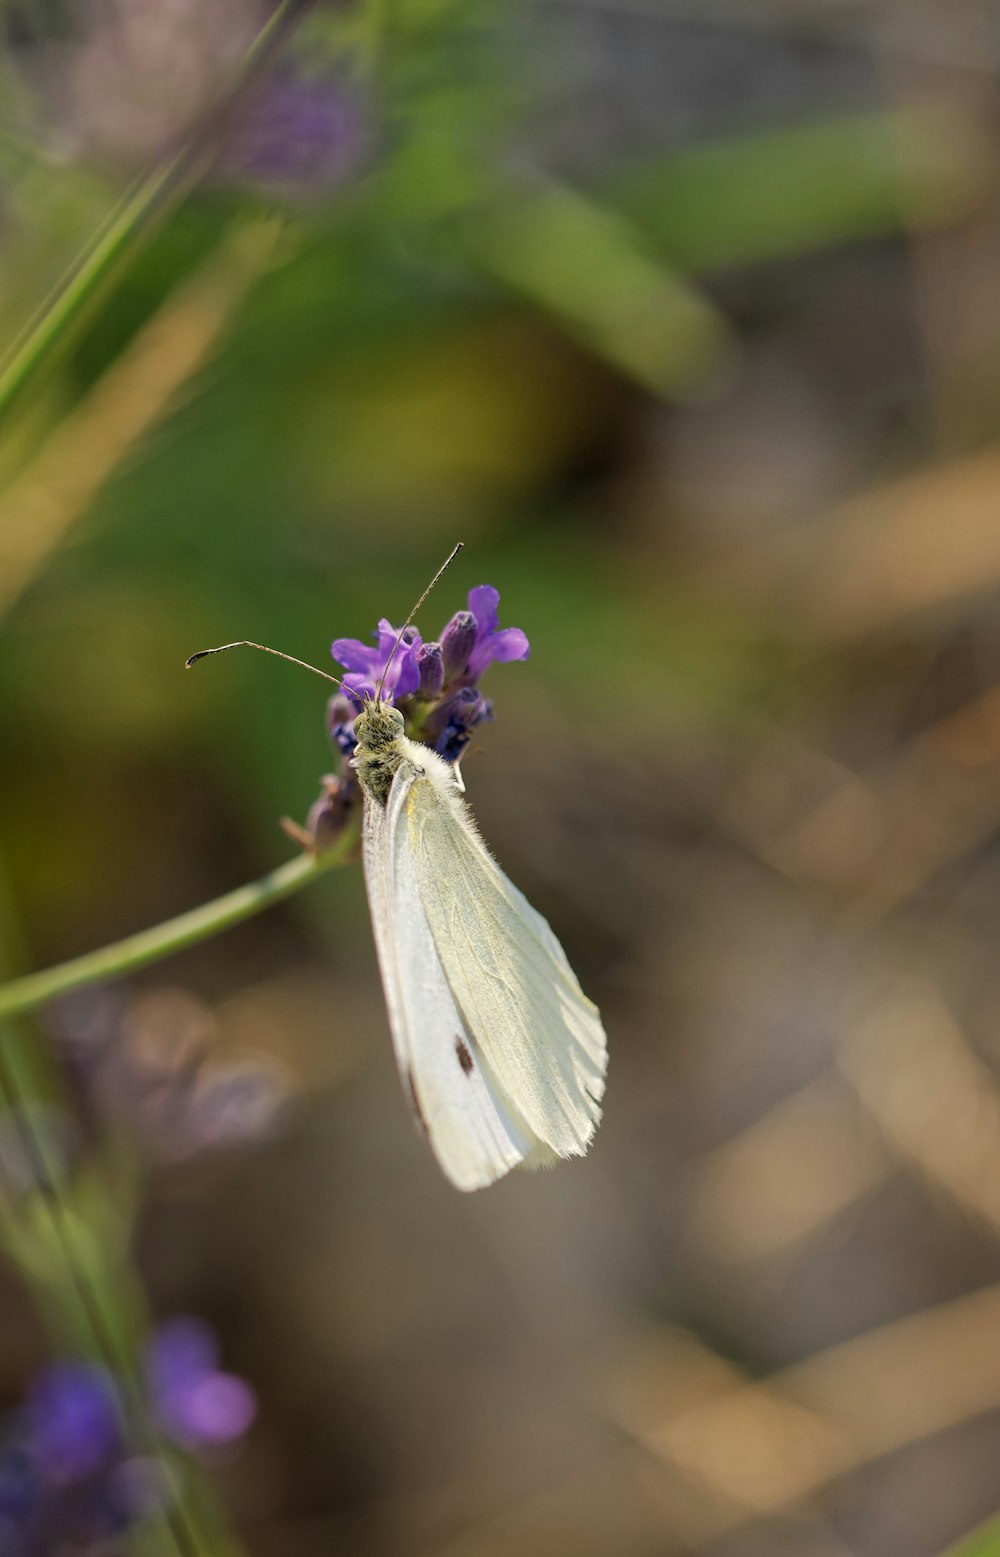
x: 378, y: 754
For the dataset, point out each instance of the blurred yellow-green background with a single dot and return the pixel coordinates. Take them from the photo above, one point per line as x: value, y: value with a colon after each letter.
x: 686, y: 320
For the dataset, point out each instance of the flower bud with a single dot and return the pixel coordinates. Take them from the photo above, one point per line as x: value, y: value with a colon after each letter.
x: 430, y: 662
x: 329, y: 813
x: 341, y: 713
x: 457, y: 642
x: 455, y: 720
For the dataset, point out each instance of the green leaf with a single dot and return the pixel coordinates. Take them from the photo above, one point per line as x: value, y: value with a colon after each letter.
x: 807, y: 187
x: 592, y: 271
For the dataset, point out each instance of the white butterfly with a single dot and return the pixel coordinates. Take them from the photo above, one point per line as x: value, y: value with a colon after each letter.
x: 501, y: 1054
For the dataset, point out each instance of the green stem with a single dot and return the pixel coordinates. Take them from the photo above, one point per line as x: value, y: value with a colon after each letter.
x: 155, y: 195
x: 135, y: 951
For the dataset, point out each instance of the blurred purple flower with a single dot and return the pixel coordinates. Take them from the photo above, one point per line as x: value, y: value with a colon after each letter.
x: 73, y: 1424
x: 69, y: 1482
x: 151, y: 1075
x: 298, y: 130
x: 235, y: 1102
x: 197, y: 1404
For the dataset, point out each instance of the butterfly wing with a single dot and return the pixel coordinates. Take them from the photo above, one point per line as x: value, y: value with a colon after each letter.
x: 474, y: 1135
x: 536, y: 1037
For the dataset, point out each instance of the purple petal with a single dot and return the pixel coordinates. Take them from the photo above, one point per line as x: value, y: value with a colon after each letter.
x: 387, y: 635
x: 507, y: 643
x: 510, y: 643
x: 362, y: 686
x: 403, y: 674
x: 484, y: 603
x: 406, y: 678
x: 360, y: 658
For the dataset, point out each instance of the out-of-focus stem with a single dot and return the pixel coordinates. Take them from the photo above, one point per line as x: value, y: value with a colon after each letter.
x: 151, y: 199
x: 89, y: 444
x: 135, y: 951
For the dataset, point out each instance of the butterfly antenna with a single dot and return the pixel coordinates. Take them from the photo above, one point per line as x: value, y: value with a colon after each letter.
x: 444, y: 566
x: 244, y: 643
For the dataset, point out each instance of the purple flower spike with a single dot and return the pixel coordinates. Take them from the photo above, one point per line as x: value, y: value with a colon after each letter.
x: 366, y: 666
x: 73, y: 1425
x: 200, y: 1406
x: 493, y: 642
x: 434, y: 685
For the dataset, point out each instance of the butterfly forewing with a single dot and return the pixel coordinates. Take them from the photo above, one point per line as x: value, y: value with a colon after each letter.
x: 474, y: 1132
x: 539, y: 1037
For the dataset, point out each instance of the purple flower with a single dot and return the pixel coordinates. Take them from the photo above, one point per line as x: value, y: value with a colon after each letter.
x: 73, y: 1424
x: 435, y: 682
x: 236, y: 1101
x: 306, y: 131
x: 153, y: 1077
x: 366, y: 667
x: 198, y: 1404
x: 39, y: 1516
x: 70, y: 1482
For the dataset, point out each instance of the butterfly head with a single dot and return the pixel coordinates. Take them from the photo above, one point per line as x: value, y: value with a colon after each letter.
x: 377, y: 756
x: 378, y: 726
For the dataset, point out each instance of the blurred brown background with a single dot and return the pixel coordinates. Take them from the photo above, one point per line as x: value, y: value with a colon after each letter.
x: 686, y: 319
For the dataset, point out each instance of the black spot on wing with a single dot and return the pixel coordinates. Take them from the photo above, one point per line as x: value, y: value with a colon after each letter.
x: 464, y: 1056
x: 415, y: 1102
